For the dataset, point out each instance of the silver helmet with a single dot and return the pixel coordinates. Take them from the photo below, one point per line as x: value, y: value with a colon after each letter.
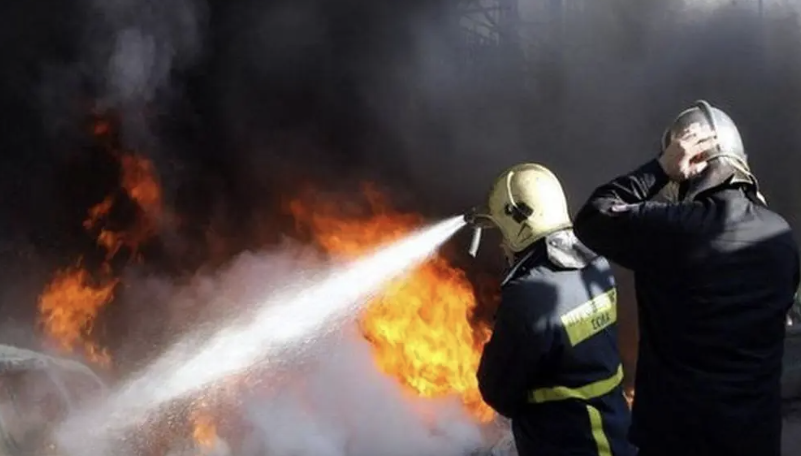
x: 729, y: 141
x: 728, y: 160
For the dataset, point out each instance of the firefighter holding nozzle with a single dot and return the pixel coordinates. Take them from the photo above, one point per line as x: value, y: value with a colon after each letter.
x: 715, y: 271
x: 552, y: 364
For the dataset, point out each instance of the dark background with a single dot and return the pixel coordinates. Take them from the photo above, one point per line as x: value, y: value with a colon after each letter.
x: 241, y: 102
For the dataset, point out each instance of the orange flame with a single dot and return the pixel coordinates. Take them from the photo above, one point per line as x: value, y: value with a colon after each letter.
x: 212, y: 412
x: 420, y: 326
x: 71, y: 302
x: 139, y: 179
x: 142, y: 187
x: 69, y: 305
x: 204, y: 430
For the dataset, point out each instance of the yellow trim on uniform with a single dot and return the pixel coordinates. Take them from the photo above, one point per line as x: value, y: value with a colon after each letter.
x: 591, y: 317
x: 580, y: 324
x: 598, y: 434
x: 586, y: 392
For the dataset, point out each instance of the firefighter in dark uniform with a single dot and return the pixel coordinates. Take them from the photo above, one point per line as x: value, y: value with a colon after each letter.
x: 552, y: 365
x: 715, y: 273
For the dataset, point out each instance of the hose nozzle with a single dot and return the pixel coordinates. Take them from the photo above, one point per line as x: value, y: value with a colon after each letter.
x: 471, y: 219
x: 470, y: 216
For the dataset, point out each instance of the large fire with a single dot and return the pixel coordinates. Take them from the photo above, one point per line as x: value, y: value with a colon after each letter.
x: 420, y: 326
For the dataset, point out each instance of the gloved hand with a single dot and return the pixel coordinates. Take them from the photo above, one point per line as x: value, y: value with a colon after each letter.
x: 684, y: 157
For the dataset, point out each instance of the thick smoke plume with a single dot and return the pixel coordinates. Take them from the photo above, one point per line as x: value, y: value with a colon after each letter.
x: 247, y: 98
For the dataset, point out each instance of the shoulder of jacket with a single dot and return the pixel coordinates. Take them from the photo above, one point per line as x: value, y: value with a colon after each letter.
x: 528, y: 280
x: 520, y: 268
x: 529, y: 298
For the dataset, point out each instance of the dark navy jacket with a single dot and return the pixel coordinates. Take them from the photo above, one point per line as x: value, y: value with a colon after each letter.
x: 715, y: 277
x: 552, y: 364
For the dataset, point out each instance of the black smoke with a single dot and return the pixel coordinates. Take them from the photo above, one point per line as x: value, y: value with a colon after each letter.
x: 241, y: 102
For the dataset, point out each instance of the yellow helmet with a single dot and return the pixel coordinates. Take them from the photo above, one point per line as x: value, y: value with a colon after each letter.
x: 527, y: 203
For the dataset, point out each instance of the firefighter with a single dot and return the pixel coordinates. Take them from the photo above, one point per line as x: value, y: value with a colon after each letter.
x: 552, y: 364
x: 715, y: 271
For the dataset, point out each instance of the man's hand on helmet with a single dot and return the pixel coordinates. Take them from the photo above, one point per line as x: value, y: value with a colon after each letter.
x: 684, y: 157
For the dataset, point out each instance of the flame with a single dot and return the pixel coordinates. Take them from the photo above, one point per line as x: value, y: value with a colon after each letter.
x: 204, y: 431
x: 139, y: 179
x: 70, y: 303
x: 420, y: 326
x: 214, y: 412
x: 141, y: 186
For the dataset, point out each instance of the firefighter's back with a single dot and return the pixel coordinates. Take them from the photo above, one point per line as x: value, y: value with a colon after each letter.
x: 576, y: 405
x: 712, y: 337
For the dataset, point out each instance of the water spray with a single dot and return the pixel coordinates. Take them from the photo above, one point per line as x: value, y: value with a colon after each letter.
x: 296, y: 317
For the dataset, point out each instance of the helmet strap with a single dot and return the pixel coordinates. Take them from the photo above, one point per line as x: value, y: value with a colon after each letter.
x: 518, y: 211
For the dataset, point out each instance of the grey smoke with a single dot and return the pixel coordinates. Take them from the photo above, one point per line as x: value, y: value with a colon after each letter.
x: 131, y: 51
x: 390, y: 92
x: 375, y: 90
x: 599, y: 81
x: 608, y: 75
x: 131, y: 68
x: 142, y: 43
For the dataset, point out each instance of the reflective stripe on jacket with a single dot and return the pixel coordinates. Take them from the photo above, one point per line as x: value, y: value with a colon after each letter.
x: 552, y: 364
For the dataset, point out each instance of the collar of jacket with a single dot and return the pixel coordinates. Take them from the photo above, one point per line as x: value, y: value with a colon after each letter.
x: 562, y: 249
x: 720, y: 176
x: 733, y: 191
